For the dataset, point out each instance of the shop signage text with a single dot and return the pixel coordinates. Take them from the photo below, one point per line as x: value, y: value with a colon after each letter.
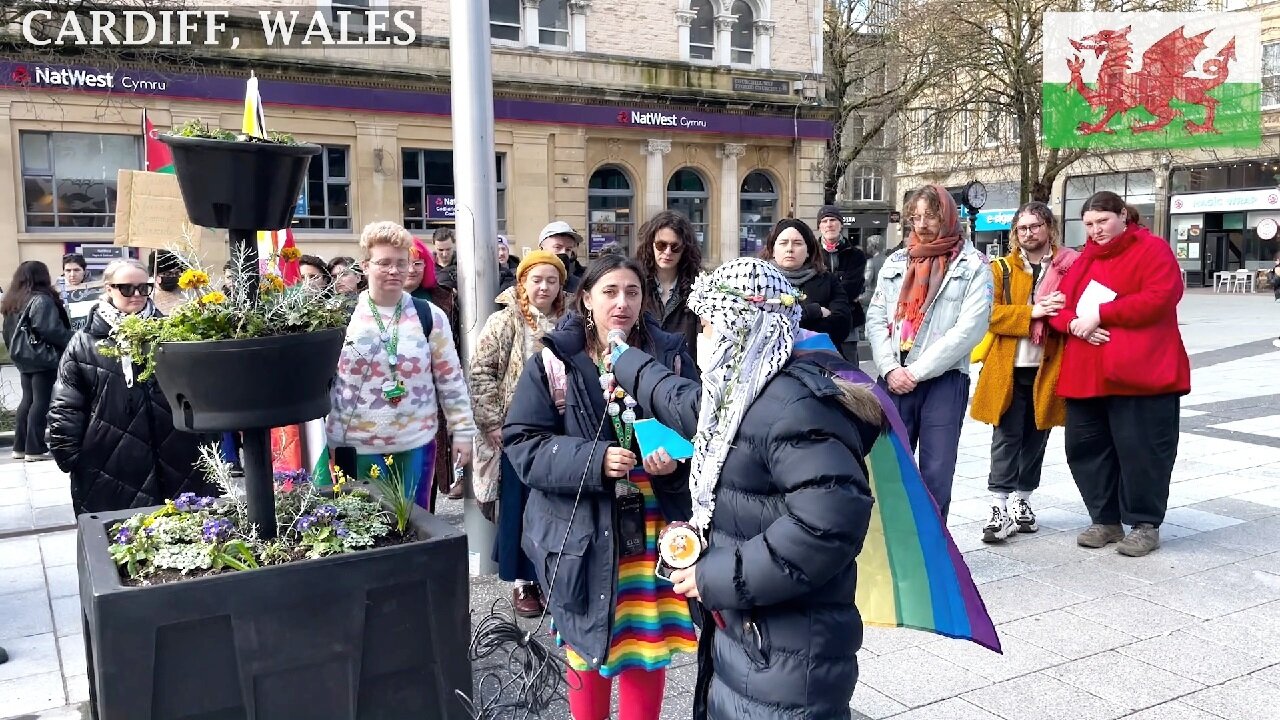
x: 46, y: 76
x: 655, y: 118
x: 1225, y: 201
x: 756, y: 85
x: 440, y: 207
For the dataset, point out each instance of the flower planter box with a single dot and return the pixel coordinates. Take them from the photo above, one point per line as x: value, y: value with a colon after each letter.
x: 229, y: 385
x: 239, y: 185
x: 374, y: 635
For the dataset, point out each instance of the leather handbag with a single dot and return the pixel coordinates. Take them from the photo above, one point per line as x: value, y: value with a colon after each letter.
x: 27, y: 349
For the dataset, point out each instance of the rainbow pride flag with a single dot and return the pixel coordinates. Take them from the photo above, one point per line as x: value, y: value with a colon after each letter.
x: 910, y: 573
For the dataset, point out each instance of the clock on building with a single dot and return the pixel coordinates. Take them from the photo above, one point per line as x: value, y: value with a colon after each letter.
x: 975, y: 195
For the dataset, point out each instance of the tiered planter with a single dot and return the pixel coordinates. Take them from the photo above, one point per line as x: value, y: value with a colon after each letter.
x: 373, y: 635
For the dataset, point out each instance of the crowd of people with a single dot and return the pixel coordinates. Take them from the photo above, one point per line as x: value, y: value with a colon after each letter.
x: 546, y: 411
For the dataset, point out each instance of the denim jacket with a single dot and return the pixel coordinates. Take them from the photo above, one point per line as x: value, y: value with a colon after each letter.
x: 954, y: 322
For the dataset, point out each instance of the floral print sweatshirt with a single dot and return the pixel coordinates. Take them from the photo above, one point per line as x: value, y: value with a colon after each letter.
x: 429, y: 368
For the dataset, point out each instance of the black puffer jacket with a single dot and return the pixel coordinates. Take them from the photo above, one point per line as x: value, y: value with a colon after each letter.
x: 553, y: 453
x: 48, y: 322
x: 117, y: 442
x: 825, y: 291
x: 791, y: 514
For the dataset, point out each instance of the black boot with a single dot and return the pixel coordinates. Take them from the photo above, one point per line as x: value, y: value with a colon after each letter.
x: 4, y: 656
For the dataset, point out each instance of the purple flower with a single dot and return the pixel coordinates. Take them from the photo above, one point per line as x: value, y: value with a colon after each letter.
x: 326, y: 513
x: 340, y: 530
x: 216, y: 530
x: 188, y: 502
x: 124, y: 535
x: 304, y: 523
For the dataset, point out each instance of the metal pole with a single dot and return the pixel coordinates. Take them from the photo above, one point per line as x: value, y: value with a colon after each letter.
x: 475, y: 214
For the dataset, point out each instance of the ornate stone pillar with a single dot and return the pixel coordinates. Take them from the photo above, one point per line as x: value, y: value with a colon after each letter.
x: 654, y: 174
x: 529, y: 17
x: 724, y: 39
x: 764, y: 44
x: 684, y: 20
x: 729, y: 206
x: 578, y: 24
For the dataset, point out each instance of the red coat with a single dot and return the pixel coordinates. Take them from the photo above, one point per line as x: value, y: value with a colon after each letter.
x: 1145, y: 355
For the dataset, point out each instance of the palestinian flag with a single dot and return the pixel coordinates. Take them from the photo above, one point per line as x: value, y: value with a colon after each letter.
x: 158, y: 156
x: 1152, y: 80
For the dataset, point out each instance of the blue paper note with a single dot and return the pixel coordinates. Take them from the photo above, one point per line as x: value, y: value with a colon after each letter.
x: 653, y: 435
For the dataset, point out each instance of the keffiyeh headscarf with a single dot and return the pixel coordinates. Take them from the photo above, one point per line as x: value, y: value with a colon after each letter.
x: 112, y: 317
x: 755, y: 313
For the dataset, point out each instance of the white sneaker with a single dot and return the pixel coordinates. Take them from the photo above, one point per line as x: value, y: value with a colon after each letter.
x: 40, y: 457
x: 999, y: 527
x: 17, y: 455
x: 1023, y: 516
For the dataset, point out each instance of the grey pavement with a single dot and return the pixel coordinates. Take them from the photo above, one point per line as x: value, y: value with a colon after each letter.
x: 1191, y: 632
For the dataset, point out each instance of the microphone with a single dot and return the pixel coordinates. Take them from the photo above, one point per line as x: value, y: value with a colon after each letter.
x: 617, y: 337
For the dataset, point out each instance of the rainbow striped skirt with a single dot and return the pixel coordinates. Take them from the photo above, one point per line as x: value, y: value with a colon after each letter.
x: 651, y: 622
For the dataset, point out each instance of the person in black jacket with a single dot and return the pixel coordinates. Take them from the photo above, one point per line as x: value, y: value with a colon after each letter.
x: 668, y: 250
x: 845, y: 260
x: 111, y: 432
x: 780, y: 496
x: 34, y: 306
x: 795, y: 251
x: 594, y: 507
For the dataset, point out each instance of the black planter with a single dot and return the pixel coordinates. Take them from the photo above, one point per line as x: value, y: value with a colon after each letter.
x: 375, y: 635
x: 229, y: 385
x: 240, y: 185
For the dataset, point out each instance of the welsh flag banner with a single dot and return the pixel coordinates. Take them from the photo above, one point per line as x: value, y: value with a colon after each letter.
x: 1152, y: 80
x: 158, y: 156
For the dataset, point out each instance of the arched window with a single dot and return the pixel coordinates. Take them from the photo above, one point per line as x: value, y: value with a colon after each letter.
x: 702, y: 32
x: 687, y: 194
x: 758, y: 203
x: 609, y: 196
x: 868, y: 184
x: 743, y: 37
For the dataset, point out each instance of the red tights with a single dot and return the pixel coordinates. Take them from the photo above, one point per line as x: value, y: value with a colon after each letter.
x: 639, y: 694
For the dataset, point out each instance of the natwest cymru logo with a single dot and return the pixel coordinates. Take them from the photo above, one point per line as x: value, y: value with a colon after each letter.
x: 20, y: 75
x: 69, y: 78
x: 657, y: 118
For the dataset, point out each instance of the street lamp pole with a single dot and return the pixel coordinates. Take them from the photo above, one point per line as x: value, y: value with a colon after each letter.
x: 475, y: 217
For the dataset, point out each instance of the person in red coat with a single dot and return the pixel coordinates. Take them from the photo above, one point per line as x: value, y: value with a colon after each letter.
x: 1124, y: 371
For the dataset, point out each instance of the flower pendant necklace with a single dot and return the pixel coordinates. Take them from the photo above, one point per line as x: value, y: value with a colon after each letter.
x: 620, y: 406
x: 393, y: 390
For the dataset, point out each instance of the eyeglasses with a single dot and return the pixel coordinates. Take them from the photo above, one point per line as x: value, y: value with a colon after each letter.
x: 388, y: 265
x: 418, y: 264
x: 127, y: 290
x: 927, y: 217
x: 662, y: 246
x: 1028, y: 229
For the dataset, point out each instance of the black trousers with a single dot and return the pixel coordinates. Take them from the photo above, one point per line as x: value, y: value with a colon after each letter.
x: 1017, y: 445
x: 33, y: 411
x: 1121, y: 450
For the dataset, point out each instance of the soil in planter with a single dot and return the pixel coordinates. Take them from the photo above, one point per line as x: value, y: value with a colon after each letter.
x: 168, y: 576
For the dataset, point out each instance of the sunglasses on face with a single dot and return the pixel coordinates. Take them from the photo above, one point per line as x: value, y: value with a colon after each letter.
x: 663, y: 246
x: 127, y: 290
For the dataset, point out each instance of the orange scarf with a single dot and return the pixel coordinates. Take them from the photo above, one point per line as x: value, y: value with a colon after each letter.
x: 926, y: 267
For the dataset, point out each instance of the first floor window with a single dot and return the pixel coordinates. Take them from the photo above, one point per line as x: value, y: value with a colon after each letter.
x: 702, y: 31
x: 326, y: 195
x: 553, y: 23
x: 69, y: 179
x: 758, y: 211
x: 1271, y: 74
x: 743, y: 35
x: 504, y: 20
x: 868, y: 184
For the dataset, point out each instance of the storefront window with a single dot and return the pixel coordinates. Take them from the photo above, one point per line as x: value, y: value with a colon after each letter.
x: 687, y: 194
x: 1135, y: 188
x: 609, y: 197
x: 427, y: 189
x: 69, y: 179
x: 326, y: 195
x: 758, y: 205
x: 1236, y: 176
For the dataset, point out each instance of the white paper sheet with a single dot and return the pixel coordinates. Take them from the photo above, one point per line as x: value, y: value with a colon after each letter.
x: 1094, y: 295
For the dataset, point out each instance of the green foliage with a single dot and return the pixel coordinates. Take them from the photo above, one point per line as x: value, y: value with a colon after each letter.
x: 193, y: 128
x: 392, y: 486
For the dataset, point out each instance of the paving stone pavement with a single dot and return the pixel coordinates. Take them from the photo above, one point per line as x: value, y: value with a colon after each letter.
x: 1191, y: 632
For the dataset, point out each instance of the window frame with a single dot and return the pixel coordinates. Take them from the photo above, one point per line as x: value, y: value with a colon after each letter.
x: 744, y: 197
x: 705, y: 195
x: 421, y: 222
x: 566, y: 31
x: 626, y: 239
x: 860, y: 180
x: 359, y: 8
x: 327, y: 180
x: 694, y: 7
x: 1273, y: 78
x: 518, y: 25
x: 107, y: 218
x: 734, y: 51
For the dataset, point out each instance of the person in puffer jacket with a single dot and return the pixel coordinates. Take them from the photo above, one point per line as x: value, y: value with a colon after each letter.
x: 780, y: 495
x: 111, y: 432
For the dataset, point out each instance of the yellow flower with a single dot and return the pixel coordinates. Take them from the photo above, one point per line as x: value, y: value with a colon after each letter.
x: 391, y: 460
x: 271, y: 281
x: 192, y: 279
x: 375, y: 472
x: 787, y: 300
x: 290, y: 254
x: 213, y: 298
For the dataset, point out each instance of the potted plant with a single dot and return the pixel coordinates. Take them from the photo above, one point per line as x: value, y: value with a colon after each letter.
x: 194, y: 614
x: 238, y: 181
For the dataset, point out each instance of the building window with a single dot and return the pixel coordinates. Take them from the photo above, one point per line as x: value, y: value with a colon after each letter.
x: 687, y: 194
x: 758, y: 211
x: 609, y: 197
x: 1136, y: 188
x: 69, y: 179
x: 357, y: 12
x: 743, y: 36
x: 325, y: 203
x: 427, y: 189
x: 868, y: 184
x: 702, y: 32
x: 1271, y: 75
x: 504, y: 20
x: 553, y: 23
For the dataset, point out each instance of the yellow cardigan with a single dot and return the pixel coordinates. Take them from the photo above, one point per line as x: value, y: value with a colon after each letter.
x: 1010, y: 323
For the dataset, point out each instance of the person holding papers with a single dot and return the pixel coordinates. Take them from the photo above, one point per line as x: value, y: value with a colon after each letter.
x: 1124, y: 370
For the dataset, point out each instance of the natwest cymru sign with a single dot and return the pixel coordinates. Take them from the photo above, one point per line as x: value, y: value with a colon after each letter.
x: 55, y: 76
x: 657, y: 118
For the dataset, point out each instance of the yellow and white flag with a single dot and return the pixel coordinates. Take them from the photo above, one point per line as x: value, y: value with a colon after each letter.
x: 254, y: 123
